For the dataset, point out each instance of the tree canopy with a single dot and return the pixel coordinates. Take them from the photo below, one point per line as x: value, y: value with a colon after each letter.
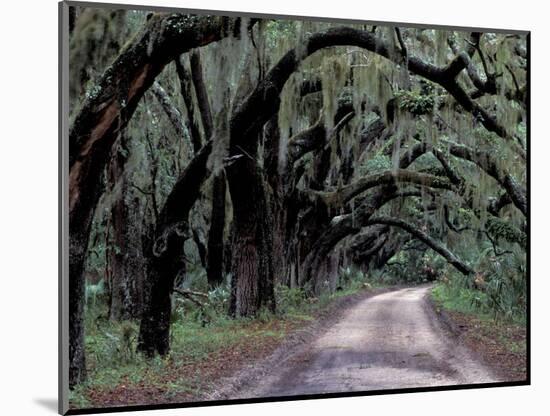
x: 261, y: 152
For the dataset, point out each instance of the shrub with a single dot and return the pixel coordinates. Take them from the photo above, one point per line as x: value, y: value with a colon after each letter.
x: 114, y: 345
x: 350, y: 277
x: 288, y: 299
x: 501, y: 291
x: 218, y: 298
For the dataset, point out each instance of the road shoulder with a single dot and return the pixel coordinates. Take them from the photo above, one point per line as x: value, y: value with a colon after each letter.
x: 500, y: 346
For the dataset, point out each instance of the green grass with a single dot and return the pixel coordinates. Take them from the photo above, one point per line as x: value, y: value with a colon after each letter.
x: 454, y: 297
x: 459, y: 299
x: 110, y: 346
x: 192, y: 341
x: 111, y: 358
x: 499, y: 338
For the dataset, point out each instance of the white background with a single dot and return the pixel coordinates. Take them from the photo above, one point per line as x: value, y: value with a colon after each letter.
x: 28, y: 205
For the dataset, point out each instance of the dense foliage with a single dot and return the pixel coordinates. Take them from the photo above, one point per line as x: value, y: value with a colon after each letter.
x: 279, y: 161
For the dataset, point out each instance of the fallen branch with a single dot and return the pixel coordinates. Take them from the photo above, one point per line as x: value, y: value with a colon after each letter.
x: 188, y: 294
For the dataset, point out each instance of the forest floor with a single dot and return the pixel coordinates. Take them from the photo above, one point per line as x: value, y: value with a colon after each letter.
x: 374, y: 339
x: 201, y: 356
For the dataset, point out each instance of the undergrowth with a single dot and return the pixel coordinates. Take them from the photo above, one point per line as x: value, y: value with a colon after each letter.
x: 495, y: 299
x: 195, y: 334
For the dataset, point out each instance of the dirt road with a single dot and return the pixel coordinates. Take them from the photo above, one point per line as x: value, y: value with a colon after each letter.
x: 392, y: 340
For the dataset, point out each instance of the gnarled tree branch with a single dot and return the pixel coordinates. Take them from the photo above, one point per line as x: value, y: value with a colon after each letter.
x: 435, y: 245
x: 390, y: 177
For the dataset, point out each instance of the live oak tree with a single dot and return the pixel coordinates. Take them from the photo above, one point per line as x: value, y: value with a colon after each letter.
x: 106, y: 110
x: 283, y: 148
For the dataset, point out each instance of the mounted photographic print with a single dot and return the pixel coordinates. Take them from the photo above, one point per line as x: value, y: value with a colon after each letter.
x: 261, y: 208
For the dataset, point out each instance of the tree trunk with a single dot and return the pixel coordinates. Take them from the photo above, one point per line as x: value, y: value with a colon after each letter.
x: 77, y: 362
x: 126, y: 260
x: 165, y: 255
x: 154, y: 334
x: 125, y: 254
x: 278, y: 177
x: 80, y: 222
x: 215, y: 245
x: 215, y: 257
x: 201, y: 93
x: 252, y: 263
x: 185, y: 90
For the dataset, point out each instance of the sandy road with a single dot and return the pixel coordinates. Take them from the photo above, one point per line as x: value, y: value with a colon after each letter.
x: 392, y: 340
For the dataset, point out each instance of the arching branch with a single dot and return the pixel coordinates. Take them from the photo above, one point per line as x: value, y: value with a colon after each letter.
x: 186, y: 189
x: 435, y: 245
x: 307, y: 141
x: 368, y: 243
x: 264, y: 101
x: 318, y: 135
x: 512, y: 234
x: 113, y: 100
x: 391, y: 177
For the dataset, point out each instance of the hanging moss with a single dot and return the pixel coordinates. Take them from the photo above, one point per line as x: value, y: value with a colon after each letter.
x: 289, y: 116
x: 441, y: 46
x: 334, y: 74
